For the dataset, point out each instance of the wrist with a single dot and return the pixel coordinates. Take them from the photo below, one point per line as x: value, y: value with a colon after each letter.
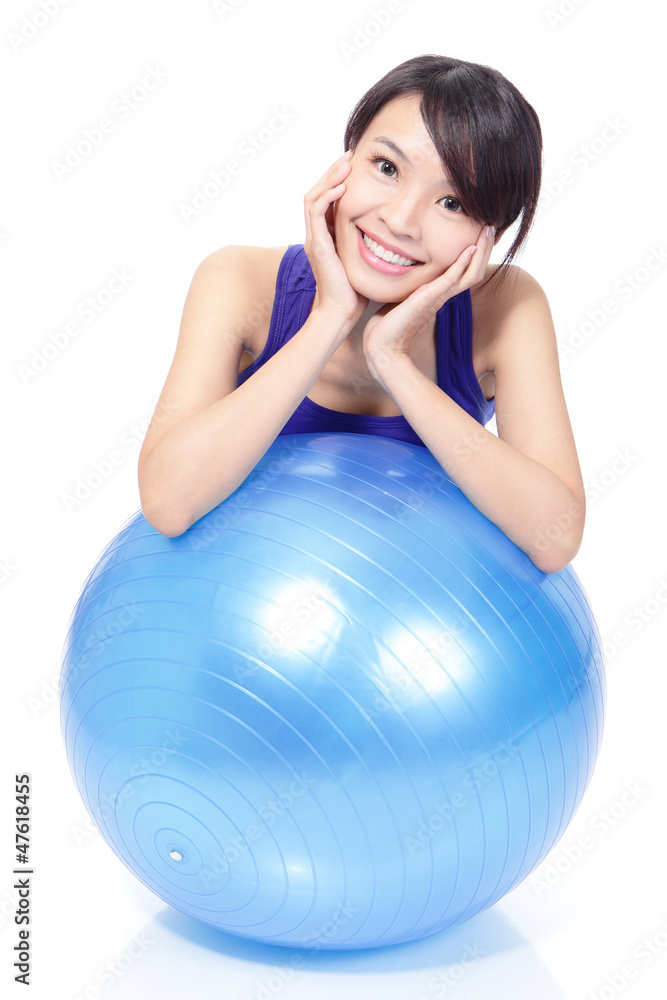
x: 332, y: 322
x: 384, y: 362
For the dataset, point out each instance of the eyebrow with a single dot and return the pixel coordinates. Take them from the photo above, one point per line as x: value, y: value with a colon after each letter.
x: 392, y: 145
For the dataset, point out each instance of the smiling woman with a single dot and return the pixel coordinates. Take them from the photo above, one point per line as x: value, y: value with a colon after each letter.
x: 388, y: 319
x: 466, y: 116
x: 410, y: 200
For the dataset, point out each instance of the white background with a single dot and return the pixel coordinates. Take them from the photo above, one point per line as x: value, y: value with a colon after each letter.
x: 224, y: 72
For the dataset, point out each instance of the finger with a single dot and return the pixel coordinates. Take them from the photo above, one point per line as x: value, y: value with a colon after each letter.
x: 470, y: 266
x: 319, y: 209
x: 479, y: 260
x: 430, y: 297
x: 454, y: 274
x: 330, y: 177
x: 319, y: 221
x: 325, y: 192
x: 319, y: 212
x: 485, y: 243
x: 320, y: 197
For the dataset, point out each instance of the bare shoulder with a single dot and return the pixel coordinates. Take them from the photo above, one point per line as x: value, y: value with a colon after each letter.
x: 248, y: 273
x: 246, y: 257
x: 506, y: 310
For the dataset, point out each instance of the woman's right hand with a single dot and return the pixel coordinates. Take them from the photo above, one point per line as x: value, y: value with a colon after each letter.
x: 335, y: 292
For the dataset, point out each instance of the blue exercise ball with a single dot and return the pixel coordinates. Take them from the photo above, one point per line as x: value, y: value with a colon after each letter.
x: 343, y: 710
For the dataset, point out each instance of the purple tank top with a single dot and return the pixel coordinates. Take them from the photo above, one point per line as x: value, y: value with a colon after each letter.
x: 295, y: 291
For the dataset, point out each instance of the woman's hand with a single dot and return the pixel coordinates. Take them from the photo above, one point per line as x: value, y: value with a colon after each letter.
x: 336, y: 294
x: 394, y: 326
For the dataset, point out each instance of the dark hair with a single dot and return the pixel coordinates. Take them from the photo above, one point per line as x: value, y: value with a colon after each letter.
x: 486, y: 133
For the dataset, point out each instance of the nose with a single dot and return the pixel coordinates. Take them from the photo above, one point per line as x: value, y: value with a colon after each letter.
x: 400, y: 213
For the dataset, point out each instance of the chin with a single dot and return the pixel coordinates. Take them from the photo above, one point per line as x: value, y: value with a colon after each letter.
x: 378, y: 287
x: 377, y: 291
x: 372, y: 284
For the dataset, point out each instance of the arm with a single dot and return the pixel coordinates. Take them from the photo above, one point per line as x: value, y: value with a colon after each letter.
x: 527, y: 480
x: 207, y: 434
x: 211, y: 434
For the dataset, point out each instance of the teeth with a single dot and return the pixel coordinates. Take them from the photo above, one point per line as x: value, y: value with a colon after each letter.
x: 388, y: 255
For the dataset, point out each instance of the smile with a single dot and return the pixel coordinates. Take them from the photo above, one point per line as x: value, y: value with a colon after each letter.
x: 383, y: 259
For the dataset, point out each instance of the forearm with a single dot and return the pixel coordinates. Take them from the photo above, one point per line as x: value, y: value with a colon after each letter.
x: 206, y: 456
x: 526, y: 500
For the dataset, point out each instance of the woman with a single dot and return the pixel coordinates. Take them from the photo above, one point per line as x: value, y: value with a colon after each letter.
x: 389, y: 319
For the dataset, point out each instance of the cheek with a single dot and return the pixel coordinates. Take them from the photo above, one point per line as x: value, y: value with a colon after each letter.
x: 341, y: 209
x: 358, y: 196
x: 348, y: 208
x: 452, y: 243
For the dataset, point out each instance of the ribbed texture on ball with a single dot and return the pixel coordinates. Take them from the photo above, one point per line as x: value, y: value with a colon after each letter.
x: 342, y: 710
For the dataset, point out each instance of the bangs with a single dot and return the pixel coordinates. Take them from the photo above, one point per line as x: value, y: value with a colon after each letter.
x: 490, y: 156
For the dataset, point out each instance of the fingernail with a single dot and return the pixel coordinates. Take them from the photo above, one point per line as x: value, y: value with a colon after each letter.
x: 471, y: 250
x: 490, y: 232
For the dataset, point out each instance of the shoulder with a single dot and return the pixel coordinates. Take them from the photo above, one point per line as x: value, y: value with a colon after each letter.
x: 245, y: 259
x: 245, y: 269
x: 507, y: 310
x: 246, y: 275
x: 507, y: 293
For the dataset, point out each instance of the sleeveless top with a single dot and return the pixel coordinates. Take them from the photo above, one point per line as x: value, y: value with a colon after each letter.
x: 295, y: 291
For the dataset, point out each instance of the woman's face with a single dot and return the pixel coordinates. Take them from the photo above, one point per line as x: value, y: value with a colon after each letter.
x: 398, y: 195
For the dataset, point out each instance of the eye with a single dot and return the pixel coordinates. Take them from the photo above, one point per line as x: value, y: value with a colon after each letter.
x: 385, y: 163
x: 451, y: 204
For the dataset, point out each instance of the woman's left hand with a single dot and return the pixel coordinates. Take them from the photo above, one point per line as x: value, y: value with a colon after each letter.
x: 394, y: 326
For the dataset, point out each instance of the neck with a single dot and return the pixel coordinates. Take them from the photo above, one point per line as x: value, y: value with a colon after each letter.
x: 357, y: 330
